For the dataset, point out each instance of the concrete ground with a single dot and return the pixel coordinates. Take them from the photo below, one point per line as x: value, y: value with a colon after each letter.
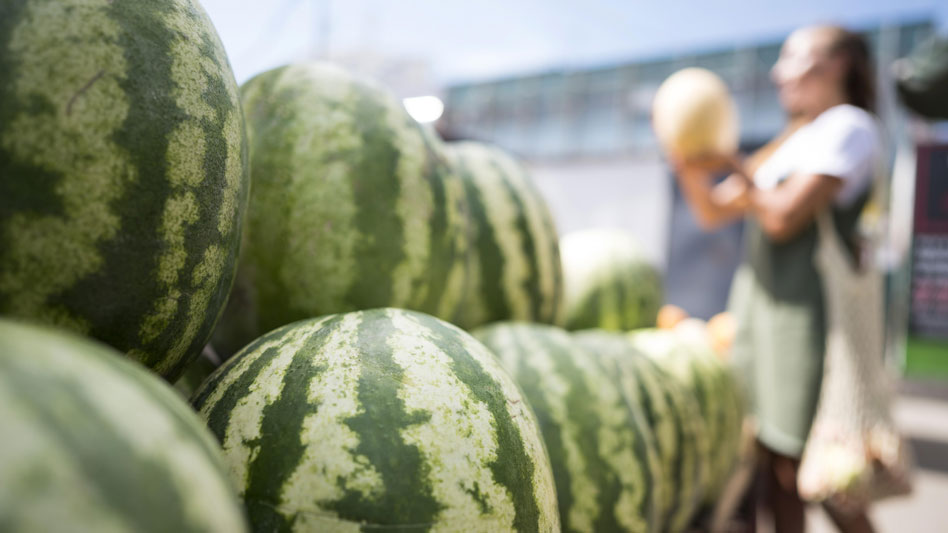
x: 922, y: 413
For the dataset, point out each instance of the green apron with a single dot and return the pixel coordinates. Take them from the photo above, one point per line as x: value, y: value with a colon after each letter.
x: 776, y: 298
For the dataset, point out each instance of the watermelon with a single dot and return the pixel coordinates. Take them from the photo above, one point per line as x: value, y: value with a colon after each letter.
x: 609, y: 282
x: 689, y: 357
x: 515, y: 271
x: 124, y: 173
x: 672, y: 414
x: 354, y: 206
x: 604, y: 457
x: 378, y: 419
x: 93, y: 442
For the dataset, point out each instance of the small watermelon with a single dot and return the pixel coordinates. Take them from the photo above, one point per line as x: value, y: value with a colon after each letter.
x: 354, y: 206
x: 609, y: 282
x: 381, y: 420
x: 603, y: 455
x: 123, y: 173
x: 93, y: 442
x: 672, y: 414
x: 515, y: 271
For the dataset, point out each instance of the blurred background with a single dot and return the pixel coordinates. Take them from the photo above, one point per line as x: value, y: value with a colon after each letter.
x: 568, y: 86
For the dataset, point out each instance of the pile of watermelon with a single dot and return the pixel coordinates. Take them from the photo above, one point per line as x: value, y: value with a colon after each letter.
x: 374, y: 329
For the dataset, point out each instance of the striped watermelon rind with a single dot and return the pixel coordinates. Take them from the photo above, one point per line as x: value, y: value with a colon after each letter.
x: 354, y: 206
x: 515, y: 270
x: 609, y: 282
x: 123, y: 156
x: 603, y: 456
x: 384, y: 418
x: 673, y: 415
x: 93, y: 442
x: 687, y: 353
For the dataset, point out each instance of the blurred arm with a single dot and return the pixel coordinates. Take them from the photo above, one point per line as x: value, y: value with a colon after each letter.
x: 713, y: 205
x: 785, y: 210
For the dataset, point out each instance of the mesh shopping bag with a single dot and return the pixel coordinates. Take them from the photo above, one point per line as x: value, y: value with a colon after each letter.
x: 854, y: 453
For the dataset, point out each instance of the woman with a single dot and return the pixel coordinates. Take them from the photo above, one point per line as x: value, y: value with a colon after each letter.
x: 825, y: 161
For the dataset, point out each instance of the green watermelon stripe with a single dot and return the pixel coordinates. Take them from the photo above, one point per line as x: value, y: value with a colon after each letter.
x: 578, y: 399
x: 512, y: 458
x: 38, y: 131
x: 583, y: 488
x: 529, y: 380
x: 489, y: 253
x: 35, y: 192
x: 204, y: 391
x: 557, y: 260
x: 379, y: 426
x: 634, y: 419
x: 644, y: 397
x: 213, y: 385
x: 264, y: 132
x: 439, y: 265
x: 515, y: 271
x: 219, y: 116
x: 653, y: 381
x: 55, y: 403
x: 548, y: 234
x: 689, y: 471
x: 217, y: 418
x: 271, y: 466
x: 680, y: 460
x: 531, y: 280
x: 234, y: 380
x: 212, y: 292
x: 376, y: 195
x: 146, y: 141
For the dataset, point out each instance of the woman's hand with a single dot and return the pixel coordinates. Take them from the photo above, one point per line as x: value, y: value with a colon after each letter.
x: 714, y: 205
x: 734, y: 192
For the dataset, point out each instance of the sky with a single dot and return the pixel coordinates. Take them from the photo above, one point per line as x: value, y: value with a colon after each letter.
x: 465, y: 41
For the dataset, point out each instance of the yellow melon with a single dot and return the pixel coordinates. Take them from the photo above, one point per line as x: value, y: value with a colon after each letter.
x: 694, y: 115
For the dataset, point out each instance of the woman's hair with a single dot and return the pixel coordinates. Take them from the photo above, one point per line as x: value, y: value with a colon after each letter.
x: 859, y: 79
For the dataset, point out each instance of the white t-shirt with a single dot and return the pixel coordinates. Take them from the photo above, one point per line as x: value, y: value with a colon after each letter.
x: 844, y: 142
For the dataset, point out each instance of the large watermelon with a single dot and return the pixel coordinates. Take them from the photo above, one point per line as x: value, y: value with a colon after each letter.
x: 609, y: 283
x: 123, y: 175
x: 383, y: 419
x: 603, y: 455
x: 515, y: 262
x: 672, y: 414
x: 92, y: 442
x: 353, y: 205
x: 691, y: 359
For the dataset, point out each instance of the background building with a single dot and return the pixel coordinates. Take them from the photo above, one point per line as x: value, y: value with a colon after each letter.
x: 586, y: 135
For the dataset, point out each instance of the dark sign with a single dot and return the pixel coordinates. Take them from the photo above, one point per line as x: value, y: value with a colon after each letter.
x: 929, y: 309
